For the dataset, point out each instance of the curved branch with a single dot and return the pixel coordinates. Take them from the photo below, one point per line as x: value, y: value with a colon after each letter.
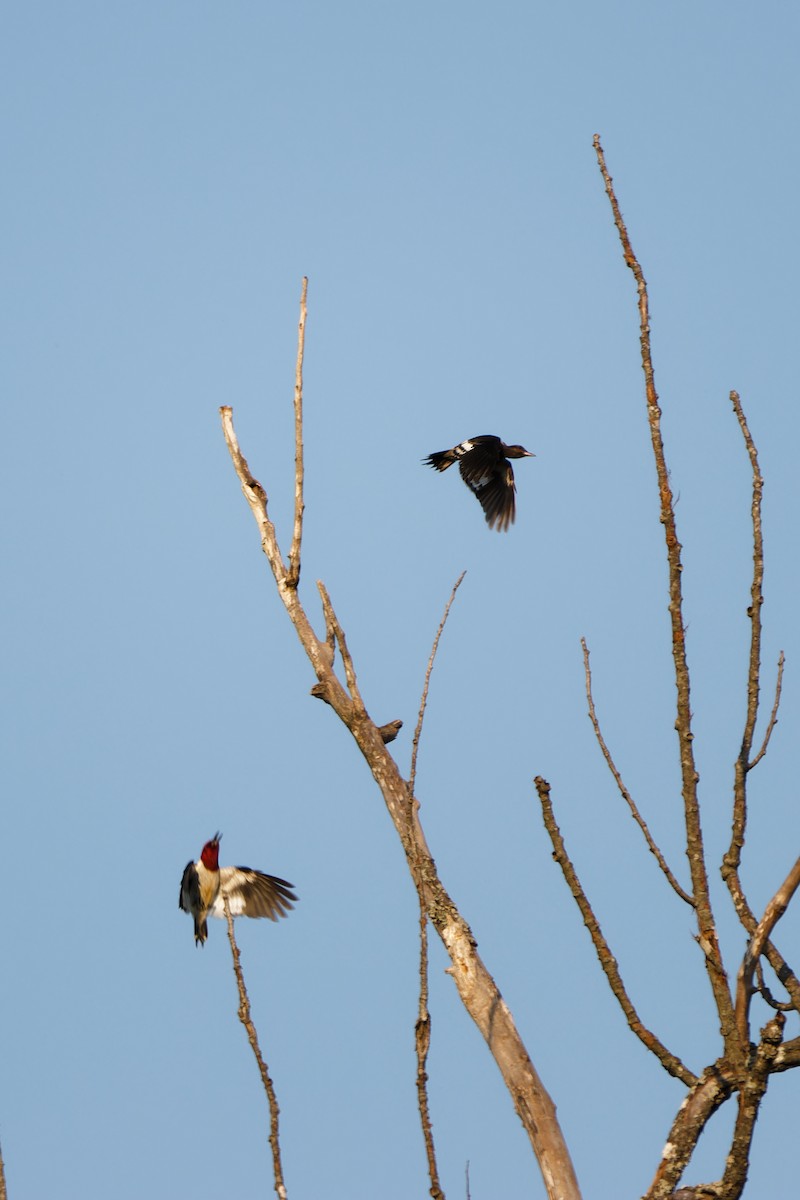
x: 772, y: 914
x: 626, y: 796
x: 669, y: 1061
x: 683, y: 724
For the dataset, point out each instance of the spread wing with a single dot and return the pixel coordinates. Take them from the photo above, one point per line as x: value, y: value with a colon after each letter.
x: 494, y: 486
x: 189, y: 898
x: 253, y: 894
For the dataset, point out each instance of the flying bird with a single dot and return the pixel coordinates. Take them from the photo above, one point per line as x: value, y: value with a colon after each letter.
x: 249, y: 893
x: 485, y: 469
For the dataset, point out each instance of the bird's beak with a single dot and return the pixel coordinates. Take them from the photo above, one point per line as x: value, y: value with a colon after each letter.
x: 529, y: 454
x: 217, y: 837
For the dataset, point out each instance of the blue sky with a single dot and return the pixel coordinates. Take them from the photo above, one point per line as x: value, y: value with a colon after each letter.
x: 171, y: 173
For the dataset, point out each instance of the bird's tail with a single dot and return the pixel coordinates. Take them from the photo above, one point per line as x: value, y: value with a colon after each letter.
x: 441, y: 460
x: 200, y: 932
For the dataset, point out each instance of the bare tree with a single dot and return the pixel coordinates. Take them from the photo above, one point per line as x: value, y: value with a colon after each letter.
x: 748, y: 1058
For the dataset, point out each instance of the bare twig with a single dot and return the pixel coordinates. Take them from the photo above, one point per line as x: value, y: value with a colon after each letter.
x: 766, y: 994
x: 772, y: 914
x: 332, y: 624
x: 423, y: 1025
x: 3, y: 1192
x: 683, y: 724
x: 773, y: 716
x: 423, y: 702
x: 732, y: 859
x: 668, y: 1060
x: 252, y: 1037
x: 638, y: 818
x: 293, y: 575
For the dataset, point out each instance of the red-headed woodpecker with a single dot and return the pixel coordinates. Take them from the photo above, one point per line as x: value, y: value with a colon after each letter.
x: 249, y: 893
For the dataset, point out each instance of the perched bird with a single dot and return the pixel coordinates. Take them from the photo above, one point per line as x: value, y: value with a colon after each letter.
x: 485, y: 469
x: 250, y: 893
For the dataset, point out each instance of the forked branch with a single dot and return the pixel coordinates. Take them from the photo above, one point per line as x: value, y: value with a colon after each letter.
x: 477, y: 989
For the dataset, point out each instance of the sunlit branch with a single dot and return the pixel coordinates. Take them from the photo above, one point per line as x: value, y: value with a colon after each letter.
x: 422, y: 1041
x: 668, y: 1060
x: 673, y: 882
x: 772, y: 914
x: 332, y: 626
x: 707, y: 1095
x: 748, y: 1104
x: 476, y: 987
x: 683, y: 723
x: 293, y: 574
x: 742, y: 765
x: 252, y: 1037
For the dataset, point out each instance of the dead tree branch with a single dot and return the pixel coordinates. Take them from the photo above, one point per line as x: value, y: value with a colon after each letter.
x: 638, y: 818
x: 707, y: 932
x: 731, y: 863
x: 422, y: 1029
x: 299, y: 470
x: 772, y: 914
x: 668, y: 1060
x: 252, y: 1037
x: 412, y: 775
x: 477, y: 989
x: 773, y: 716
x: 742, y: 766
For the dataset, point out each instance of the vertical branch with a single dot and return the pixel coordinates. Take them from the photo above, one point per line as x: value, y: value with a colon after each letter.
x: 252, y: 1037
x: 3, y: 1192
x: 293, y: 576
x: 733, y: 857
x: 423, y: 702
x: 748, y: 1106
x: 683, y: 723
x: 422, y: 1029
x: 422, y: 1040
